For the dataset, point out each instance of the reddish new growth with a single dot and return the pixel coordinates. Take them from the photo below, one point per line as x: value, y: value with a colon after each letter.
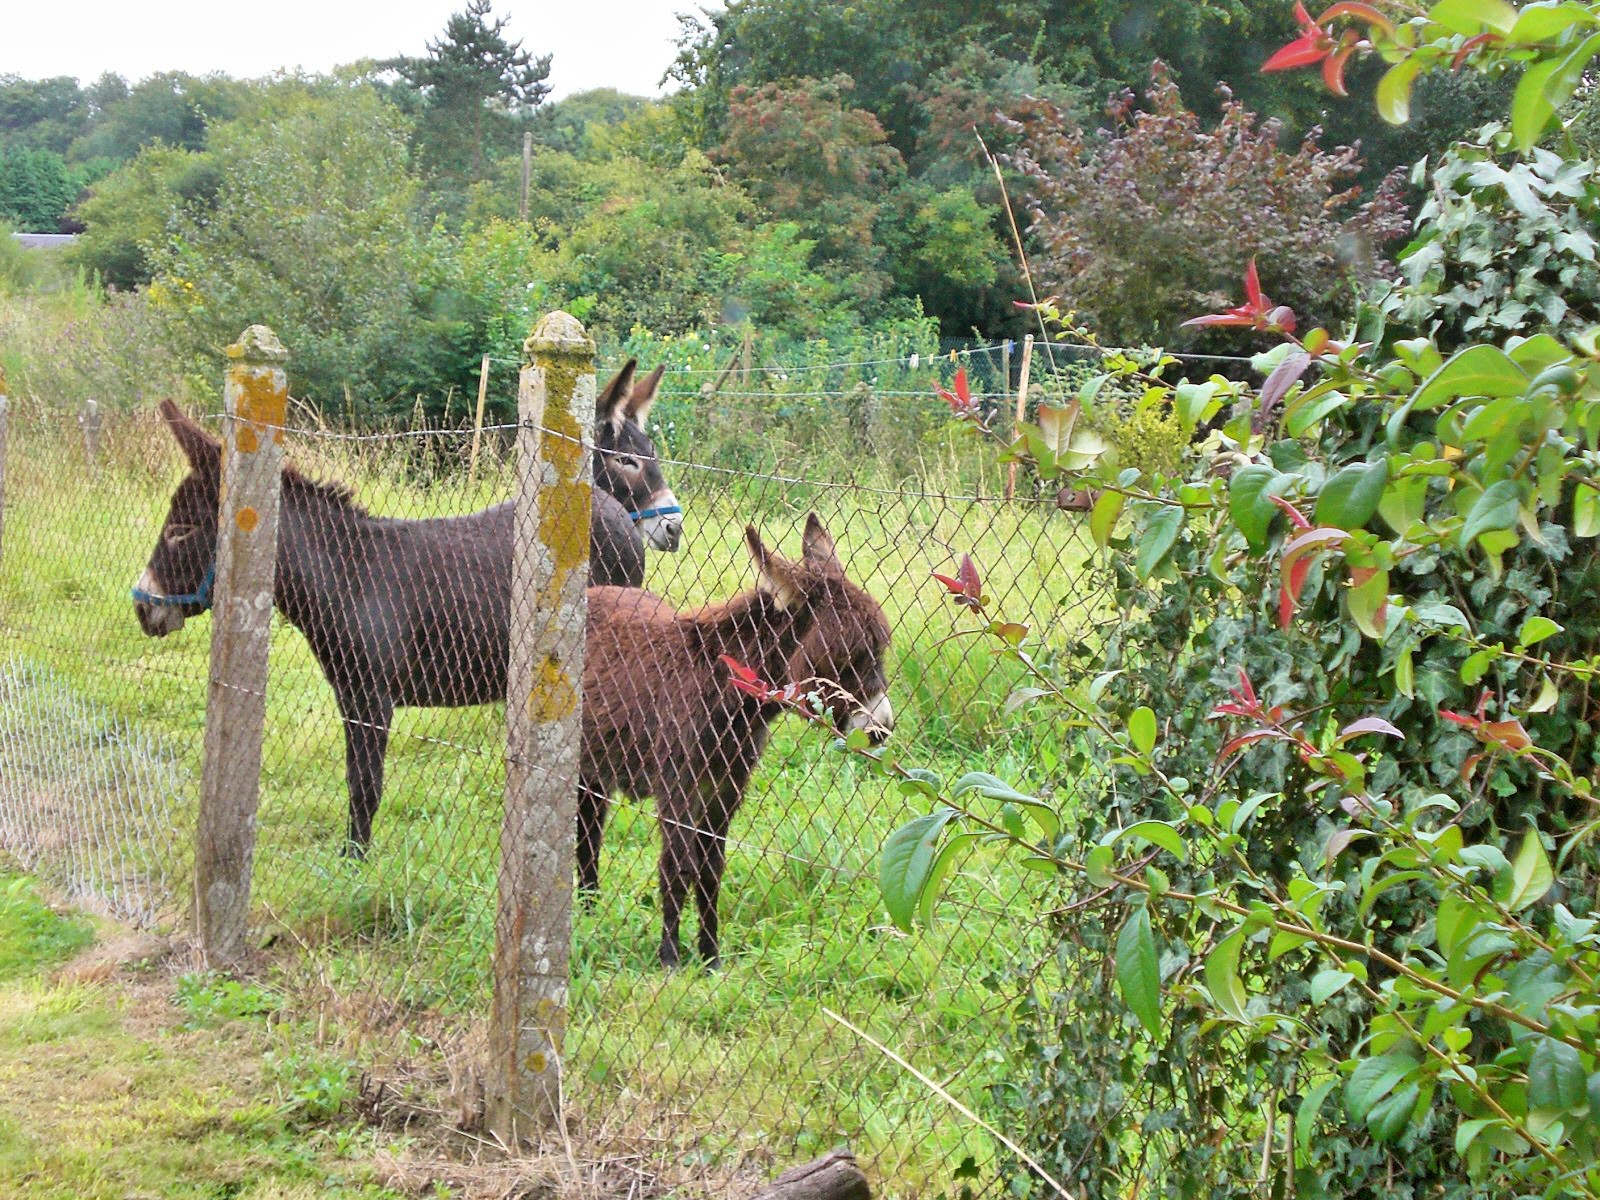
x: 743, y: 679
x: 1257, y: 312
x: 1509, y: 736
x: 1317, y: 44
x: 960, y: 401
x: 966, y: 588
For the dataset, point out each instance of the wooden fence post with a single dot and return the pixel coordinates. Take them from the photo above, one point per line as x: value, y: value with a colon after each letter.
x: 5, y: 404
x: 544, y: 687
x: 255, y: 398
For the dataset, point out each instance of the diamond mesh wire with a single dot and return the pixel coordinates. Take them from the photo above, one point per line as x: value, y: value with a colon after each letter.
x: 100, y: 735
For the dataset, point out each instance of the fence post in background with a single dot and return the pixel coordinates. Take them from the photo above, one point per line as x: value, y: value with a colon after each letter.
x: 1022, y: 408
x: 544, y: 688
x: 527, y: 174
x: 477, y: 426
x: 89, y: 423
x: 4, y: 405
x: 255, y: 398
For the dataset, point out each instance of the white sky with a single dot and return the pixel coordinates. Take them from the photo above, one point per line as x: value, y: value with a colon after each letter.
x: 625, y: 44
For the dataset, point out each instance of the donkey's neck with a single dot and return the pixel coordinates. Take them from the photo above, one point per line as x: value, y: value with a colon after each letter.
x: 319, y: 537
x: 754, y: 629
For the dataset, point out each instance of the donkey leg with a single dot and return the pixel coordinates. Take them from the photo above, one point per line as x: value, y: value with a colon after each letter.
x: 678, y: 866
x: 712, y: 846
x: 366, y: 739
x: 593, y: 805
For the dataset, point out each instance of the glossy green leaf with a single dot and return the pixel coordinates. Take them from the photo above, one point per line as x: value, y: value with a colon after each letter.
x: 1372, y: 1080
x: 1222, y: 976
x: 1142, y: 730
x: 954, y: 846
x: 1156, y: 538
x: 1530, y: 876
x: 1103, y: 517
x: 1138, y: 970
x: 907, y: 863
x: 1496, y: 508
x: 1388, y: 1119
x: 1351, y: 498
x: 1475, y: 371
x: 1248, y: 503
x: 1394, y: 90
x: 1585, y: 512
x: 1556, y: 1078
x: 1328, y: 983
x: 1470, y: 17
x: 1305, y: 1120
x: 1535, y: 629
x: 1156, y: 833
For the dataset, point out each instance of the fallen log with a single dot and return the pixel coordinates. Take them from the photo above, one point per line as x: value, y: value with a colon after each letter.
x: 832, y: 1177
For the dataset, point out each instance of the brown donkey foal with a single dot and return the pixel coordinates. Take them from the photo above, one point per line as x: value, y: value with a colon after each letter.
x: 661, y: 719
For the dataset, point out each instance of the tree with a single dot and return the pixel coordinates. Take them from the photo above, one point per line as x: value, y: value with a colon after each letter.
x: 311, y: 232
x: 808, y: 157
x: 41, y: 114
x: 472, y: 83
x: 132, y: 212
x: 36, y: 189
x: 1135, y: 229
x: 173, y: 108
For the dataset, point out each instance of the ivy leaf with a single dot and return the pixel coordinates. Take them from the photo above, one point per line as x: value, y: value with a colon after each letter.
x: 1352, y: 496
x: 907, y: 864
x: 1556, y: 1079
x: 1138, y: 970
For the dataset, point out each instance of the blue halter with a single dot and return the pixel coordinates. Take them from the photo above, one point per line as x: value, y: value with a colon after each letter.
x: 202, y: 596
x: 666, y: 510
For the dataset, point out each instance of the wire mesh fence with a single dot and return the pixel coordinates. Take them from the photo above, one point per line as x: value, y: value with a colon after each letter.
x: 781, y: 1054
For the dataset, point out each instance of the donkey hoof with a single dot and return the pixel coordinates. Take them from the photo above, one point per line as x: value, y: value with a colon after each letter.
x: 355, y: 851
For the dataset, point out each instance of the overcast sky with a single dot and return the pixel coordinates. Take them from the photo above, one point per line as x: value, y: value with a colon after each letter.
x: 625, y: 44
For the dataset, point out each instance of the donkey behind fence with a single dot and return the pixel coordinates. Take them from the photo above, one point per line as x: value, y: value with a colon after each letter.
x: 400, y: 612
x: 661, y: 719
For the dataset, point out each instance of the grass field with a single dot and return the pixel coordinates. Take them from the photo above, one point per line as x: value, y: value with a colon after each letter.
x: 100, y: 732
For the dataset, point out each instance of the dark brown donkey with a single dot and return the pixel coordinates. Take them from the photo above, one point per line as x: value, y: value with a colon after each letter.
x: 397, y: 612
x: 661, y: 719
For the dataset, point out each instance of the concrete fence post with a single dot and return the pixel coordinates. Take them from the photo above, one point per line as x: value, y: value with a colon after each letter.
x: 255, y: 399
x: 544, y: 688
x: 90, y: 422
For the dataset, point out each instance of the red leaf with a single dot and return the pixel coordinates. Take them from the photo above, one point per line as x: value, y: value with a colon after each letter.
x: 1285, y: 608
x: 1245, y: 687
x: 1252, y: 286
x: 1250, y: 738
x: 1509, y: 735
x: 1333, y: 66
x: 1350, y: 8
x: 1460, y: 719
x: 739, y: 670
x: 1234, y: 316
x: 966, y: 587
x: 962, y: 390
x: 1468, y: 46
x: 1302, y: 52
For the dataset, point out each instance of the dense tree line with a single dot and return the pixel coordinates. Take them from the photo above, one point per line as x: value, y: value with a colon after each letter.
x: 822, y: 170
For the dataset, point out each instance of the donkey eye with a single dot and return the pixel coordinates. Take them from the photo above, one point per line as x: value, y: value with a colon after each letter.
x: 627, y: 462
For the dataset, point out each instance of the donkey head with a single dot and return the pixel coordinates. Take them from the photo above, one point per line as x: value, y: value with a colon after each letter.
x: 176, y: 583
x: 625, y: 461
x: 841, y: 660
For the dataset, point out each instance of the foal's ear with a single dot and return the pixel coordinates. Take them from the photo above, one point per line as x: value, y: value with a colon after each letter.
x: 643, y: 396
x: 819, y: 549
x: 202, y: 450
x: 611, y: 404
x: 775, y: 575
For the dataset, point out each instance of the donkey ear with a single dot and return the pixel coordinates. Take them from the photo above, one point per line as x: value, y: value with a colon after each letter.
x: 202, y: 450
x: 775, y: 575
x: 610, y: 404
x: 643, y: 396
x: 819, y: 548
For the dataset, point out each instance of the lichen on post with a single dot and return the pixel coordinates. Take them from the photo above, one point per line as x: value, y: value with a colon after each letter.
x: 255, y: 399
x: 550, y: 575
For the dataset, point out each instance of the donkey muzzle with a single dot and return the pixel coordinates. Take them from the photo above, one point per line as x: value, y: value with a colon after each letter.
x: 662, y: 523
x: 877, y: 718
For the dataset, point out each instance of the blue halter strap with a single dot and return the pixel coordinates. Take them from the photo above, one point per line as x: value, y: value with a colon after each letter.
x: 201, y: 596
x: 665, y: 510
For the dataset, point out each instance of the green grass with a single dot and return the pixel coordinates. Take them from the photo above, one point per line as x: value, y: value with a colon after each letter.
x: 105, y: 1096
x: 741, y: 1059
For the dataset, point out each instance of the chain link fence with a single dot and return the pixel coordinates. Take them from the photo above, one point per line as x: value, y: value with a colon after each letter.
x: 790, y: 1048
